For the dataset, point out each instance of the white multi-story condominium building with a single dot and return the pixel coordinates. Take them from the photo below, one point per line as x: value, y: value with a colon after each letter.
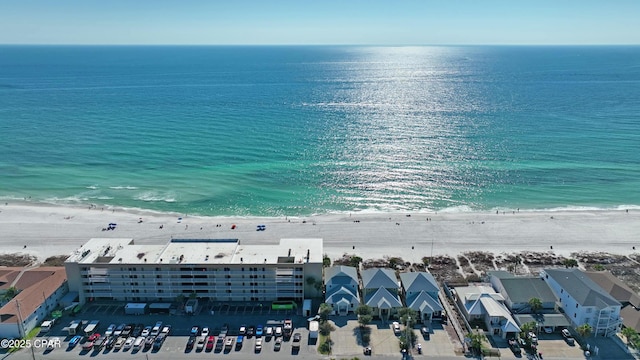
x: 214, y: 269
x: 584, y: 301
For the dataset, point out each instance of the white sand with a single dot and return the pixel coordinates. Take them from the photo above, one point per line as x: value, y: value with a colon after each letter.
x: 49, y: 230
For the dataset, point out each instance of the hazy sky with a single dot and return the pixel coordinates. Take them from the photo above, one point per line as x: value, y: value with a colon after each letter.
x: 376, y: 22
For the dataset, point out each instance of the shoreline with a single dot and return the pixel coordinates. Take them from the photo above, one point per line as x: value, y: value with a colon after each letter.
x: 49, y: 230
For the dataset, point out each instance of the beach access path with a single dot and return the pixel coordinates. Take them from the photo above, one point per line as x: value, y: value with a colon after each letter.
x: 48, y: 230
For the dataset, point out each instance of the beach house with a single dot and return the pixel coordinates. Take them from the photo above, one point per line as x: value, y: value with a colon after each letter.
x: 380, y: 292
x: 420, y: 291
x: 341, y: 286
x: 39, y: 292
x: 620, y: 291
x: 483, y: 303
x: 518, y: 291
x: 583, y: 301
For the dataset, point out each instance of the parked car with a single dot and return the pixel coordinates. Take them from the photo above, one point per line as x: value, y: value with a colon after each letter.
x: 146, y: 331
x: 239, y: 341
x: 195, y: 330
x: 250, y: 331
x: 118, y: 330
x: 268, y: 331
x: 138, y: 343
x: 110, y: 330
x: 156, y: 329
x: 297, y: 338
x: 211, y: 340
x: 108, y: 343
x: 87, y: 345
x: 127, y: 330
x: 75, y: 341
x: 94, y: 337
x: 204, y: 332
x: 396, y: 327
x: 128, y: 343
x: 259, y: 331
x: 157, y: 343
x: 137, y: 330
x: 258, y: 345
x: 243, y: 330
x: 166, y: 330
x: 533, y: 338
x: 201, y: 342
x: 278, y: 331
x: 567, y: 337
x: 119, y: 343
x: 148, y: 342
x: 547, y: 329
x: 425, y: 332
x: 191, y: 342
x: 277, y: 345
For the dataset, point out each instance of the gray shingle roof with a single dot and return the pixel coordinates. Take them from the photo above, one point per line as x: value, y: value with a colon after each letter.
x: 584, y: 290
x: 422, y: 300
x: 379, y: 277
x: 383, y: 299
x: 341, y: 270
x: 521, y: 290
x: 419, y: 281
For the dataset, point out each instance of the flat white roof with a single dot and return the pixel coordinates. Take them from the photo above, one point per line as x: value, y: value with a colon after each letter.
x: 198, y: 251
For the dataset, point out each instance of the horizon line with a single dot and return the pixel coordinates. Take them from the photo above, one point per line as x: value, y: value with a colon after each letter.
x: 310, y: 45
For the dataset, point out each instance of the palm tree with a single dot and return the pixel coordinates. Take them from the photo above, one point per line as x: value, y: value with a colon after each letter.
x: 629, y: 333
x: 535, y: 304
x: 584, y: 330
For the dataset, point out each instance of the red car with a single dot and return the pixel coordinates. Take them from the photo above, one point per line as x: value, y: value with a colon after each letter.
x: 211, y: 340
x: 94, y: 337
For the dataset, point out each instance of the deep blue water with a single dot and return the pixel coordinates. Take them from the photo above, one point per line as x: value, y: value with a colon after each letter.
x: 302, y: 130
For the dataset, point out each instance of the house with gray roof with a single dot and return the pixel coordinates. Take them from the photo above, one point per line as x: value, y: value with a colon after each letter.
x: 479, y: 302
x: 421, y: 294
x: 518, y: 290
x: 341, y: 287
x: 584, y: 301
x: 623, y: 293
x: 380, y: 291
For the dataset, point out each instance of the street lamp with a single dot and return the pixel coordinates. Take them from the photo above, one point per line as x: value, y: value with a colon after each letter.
x: 408, y: 337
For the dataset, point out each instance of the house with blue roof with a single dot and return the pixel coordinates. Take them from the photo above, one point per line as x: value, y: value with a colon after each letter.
x: 341, y: 288
x: 380, y: 292
x: 421, y: 294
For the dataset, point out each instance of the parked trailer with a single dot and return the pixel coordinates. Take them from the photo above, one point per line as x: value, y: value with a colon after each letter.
x: 159, y: 308
x: 135, y: 309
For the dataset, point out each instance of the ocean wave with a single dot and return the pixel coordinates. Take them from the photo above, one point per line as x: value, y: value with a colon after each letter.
x: 155, y: 197
x: 92, y: 187
x: 123, y: 187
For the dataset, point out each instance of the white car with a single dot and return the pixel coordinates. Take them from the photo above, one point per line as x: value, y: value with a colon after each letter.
x: 547, y: 329
x: 110, y: 330
x: 533, y: 338
x: 258, y: 344
x: 129, y: 343
x: 146, y: 332
x: 396, y: 327
x: 278, y: 331
x: 268, y: 331
x: 205, y: 332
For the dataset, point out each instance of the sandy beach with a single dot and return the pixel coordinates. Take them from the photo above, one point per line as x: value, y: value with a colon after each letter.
x: 48, y: 230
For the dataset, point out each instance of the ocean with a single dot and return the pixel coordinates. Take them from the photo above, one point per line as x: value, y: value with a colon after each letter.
x: 300, y: 130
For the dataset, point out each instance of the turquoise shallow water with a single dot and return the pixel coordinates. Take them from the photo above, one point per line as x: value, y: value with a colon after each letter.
x: 302, y: 130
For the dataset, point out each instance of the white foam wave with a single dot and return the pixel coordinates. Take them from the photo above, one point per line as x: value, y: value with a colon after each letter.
x: 151, y: 196
x: 92, y: 187
x: 123, y: 187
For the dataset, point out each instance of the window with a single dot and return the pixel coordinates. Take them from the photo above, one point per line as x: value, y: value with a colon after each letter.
x: 576, y: 306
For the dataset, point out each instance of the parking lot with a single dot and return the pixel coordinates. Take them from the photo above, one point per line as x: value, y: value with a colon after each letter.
x: 214, y: 316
